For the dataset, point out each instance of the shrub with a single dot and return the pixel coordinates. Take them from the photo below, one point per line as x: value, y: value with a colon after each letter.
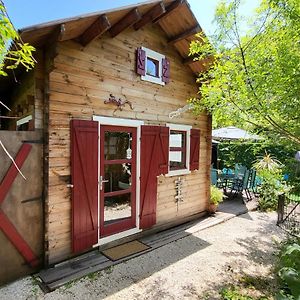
x: 272, y: 185
x: 289, y: 270
x: 216, y: 195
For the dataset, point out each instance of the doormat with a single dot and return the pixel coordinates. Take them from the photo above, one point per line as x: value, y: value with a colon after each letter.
x: 124, y: 250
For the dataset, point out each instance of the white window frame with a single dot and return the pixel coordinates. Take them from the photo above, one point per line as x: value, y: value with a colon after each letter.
x: 24, y: 120
x: 158, y: 57
x: 187, y: 129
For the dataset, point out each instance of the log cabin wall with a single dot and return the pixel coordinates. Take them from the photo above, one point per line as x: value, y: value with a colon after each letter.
x: 81, y: 79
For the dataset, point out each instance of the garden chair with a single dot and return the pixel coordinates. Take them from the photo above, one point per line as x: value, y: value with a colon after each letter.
x: 214, y: 176
x: 251, y: 187
x: 239, y: 170
x: 240, y: 184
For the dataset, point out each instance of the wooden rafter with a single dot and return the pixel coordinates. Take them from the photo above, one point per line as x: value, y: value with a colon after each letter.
x: 169, y: 9
x: 131, y: 18
x: 56, y: 35
x: 183, y: 35
x: 151, y: 15
x: 98, y: 28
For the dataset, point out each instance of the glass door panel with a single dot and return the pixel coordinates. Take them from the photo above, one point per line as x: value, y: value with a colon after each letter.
x: 117, y: 179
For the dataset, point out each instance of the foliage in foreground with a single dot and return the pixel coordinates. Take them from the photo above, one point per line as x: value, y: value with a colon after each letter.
x: 13, y: 52
x: 232, y: 293
x: 289, y: 270
x: 254, y: 80
x: 216, y: 195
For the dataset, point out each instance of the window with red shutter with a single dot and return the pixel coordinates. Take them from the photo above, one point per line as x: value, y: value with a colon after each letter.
x: 84, y: 171
x: 179, y: 150
x: 153, y: 66
x: 154, y: 161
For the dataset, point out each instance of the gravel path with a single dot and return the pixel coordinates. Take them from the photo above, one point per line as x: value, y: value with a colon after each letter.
x: 195, y: 267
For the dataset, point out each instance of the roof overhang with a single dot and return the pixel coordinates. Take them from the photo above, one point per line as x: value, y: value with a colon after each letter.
x: 174, y: 17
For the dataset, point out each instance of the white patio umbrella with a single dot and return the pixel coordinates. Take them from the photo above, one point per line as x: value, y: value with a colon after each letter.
x: 233, y: 133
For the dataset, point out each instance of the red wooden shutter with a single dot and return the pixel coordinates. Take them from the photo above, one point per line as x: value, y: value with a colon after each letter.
x: 165, y: 70
x: 141, y: 61
x: 164, y: 137
x: 154, y: 148
x: 84, y: 168
x: 194, y: 149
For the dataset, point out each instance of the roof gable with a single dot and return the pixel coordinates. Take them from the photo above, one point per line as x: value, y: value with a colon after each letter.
x: 180, y: 31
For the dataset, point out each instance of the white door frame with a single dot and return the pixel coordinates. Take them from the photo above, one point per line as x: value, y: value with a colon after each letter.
x: 124, y: 123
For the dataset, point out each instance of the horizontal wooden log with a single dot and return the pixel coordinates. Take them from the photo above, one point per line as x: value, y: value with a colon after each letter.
x: 98, y: 28
x: 183, y: 35
x: 131, y: 18
x: 151, y: 15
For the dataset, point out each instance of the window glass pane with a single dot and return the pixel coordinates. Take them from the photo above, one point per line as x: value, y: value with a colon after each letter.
x: 177, y: 138
x: 118, y: 176
x: 175, y: 156
x: 177, y: 160
x: 152, y: 67
x: 116, y: 145
x: 117, y: 208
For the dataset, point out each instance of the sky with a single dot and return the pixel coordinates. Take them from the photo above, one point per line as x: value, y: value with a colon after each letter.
x: 31, y: 12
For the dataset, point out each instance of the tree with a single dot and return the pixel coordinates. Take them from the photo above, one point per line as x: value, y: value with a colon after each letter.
x: 13, y: 53
x: 254, y: 79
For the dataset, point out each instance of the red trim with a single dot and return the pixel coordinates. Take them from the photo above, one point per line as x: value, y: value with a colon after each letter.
x: 17, y: 240
x: 5, y: 224
x: 117, y: 161
x: 178, y: 149
x: 117, y: 193
x: 13, y: 172
x: 127, y: 223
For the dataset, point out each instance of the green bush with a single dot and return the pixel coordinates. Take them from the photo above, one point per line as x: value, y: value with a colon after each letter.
x: 270, y: 171
x: 271, y: 187
x: 216, y: 195
x: 289, y: 270
x: 246, y: 152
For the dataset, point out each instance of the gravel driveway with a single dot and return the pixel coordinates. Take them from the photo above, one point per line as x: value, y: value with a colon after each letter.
x: 195, y: 267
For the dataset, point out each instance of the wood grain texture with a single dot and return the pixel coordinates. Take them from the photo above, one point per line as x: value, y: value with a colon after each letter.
x: 81, y: 80
x: 98, y: 28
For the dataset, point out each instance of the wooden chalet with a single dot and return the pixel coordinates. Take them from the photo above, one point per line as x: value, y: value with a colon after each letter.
x: 113, y: 164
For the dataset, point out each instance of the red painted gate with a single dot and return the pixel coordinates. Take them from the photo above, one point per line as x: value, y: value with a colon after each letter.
x: 21, y: 217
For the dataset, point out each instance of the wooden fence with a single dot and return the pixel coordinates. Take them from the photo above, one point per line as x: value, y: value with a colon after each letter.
x: 21, y: 207
x: 289, y: 214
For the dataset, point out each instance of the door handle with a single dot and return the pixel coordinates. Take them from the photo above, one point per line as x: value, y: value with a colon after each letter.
x: 102, y: 181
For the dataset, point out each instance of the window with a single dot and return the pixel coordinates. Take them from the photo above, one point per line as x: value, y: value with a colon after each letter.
x: 153, y: 66
x: 177, y: 155
x: 179, y: 149
x: 25, y: 124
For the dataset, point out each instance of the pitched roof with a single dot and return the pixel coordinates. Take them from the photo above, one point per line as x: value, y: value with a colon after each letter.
x: 175, y: 18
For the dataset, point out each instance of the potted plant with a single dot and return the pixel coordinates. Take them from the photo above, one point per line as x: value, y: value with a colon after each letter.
x: 216, y: 196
